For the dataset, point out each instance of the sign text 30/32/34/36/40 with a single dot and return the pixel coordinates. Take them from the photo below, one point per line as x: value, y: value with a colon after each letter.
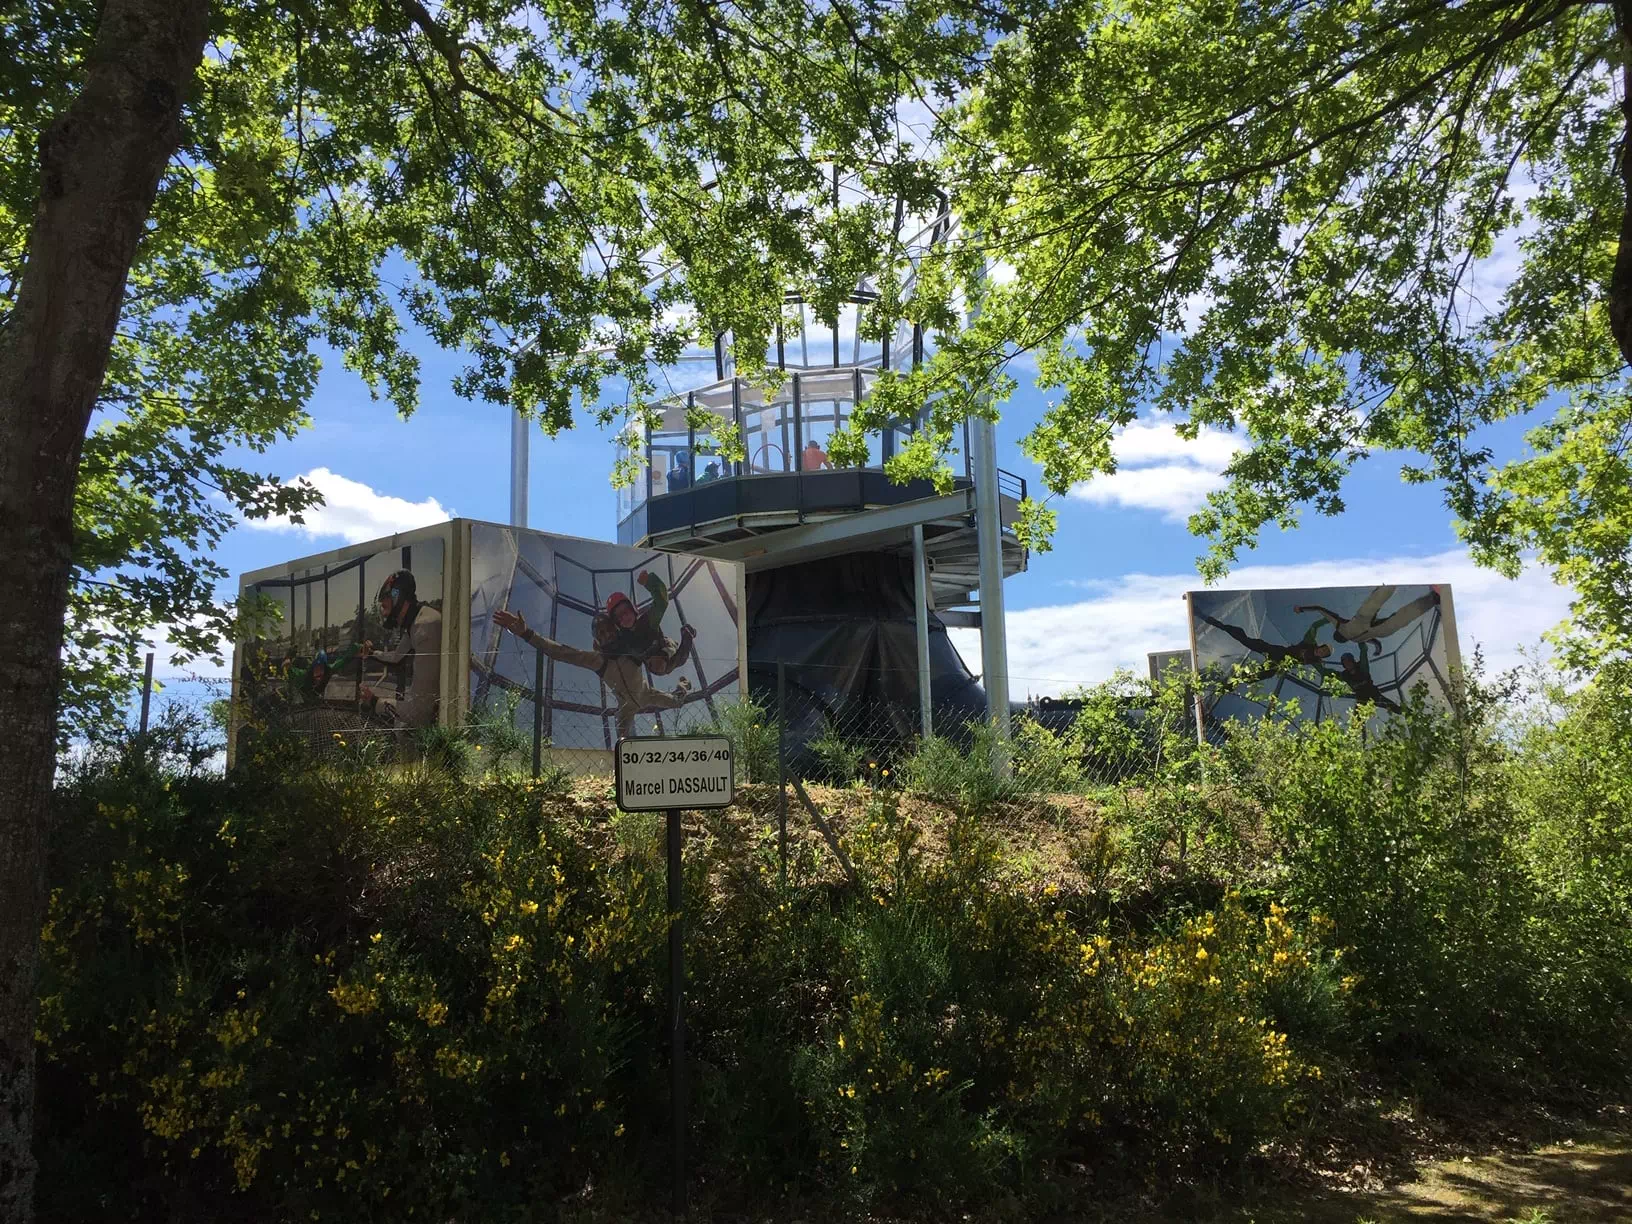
x: 663, y: 772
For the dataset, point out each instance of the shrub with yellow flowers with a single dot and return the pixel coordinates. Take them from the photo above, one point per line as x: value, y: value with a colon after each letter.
x: 337, y: 994
x: 986, y: 1030
x: 376, y: 991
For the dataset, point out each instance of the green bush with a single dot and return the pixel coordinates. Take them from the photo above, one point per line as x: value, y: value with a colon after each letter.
x: 1573, y: 792
x: 753, y: 737
x: 338, y: 995
x: 983, y: 1034
x: 492, y: 728
x: 376, y: 991
x: 1035, y: 761
x: 1475, y: 949
x: 839, y: 760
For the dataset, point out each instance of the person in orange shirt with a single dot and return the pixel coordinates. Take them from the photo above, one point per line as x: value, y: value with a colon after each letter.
x: 814, y: 458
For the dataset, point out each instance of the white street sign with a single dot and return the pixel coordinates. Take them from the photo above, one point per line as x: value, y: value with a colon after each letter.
x: 681, y: 771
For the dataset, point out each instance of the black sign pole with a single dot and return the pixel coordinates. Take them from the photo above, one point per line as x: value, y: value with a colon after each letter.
x: 781, y: 771
x: 677, y: 1015
x: 147, y: 690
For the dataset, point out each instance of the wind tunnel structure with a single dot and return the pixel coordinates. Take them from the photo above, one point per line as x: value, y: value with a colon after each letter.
x: 841, y: 564
x: 375, y: 645
x: 839, y: 634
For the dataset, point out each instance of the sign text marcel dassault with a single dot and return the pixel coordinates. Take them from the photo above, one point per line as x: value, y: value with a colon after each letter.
x: 692, y: 771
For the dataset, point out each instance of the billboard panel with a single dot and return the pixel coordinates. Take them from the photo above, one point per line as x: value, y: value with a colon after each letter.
x: 356, y: 647
x: 1328, y: 647
x: 1168, y: 663
x: 633, y: 641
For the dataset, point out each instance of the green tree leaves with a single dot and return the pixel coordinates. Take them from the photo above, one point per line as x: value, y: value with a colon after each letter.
x: 1271, y: 217
x: 561, y: 192
x: 1268, y: 217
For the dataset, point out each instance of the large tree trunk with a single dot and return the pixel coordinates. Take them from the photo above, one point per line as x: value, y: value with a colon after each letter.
x: 1620, y: 280
x: 100, y: 163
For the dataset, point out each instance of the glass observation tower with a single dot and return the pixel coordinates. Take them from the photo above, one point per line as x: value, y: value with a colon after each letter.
x: 852, y: 580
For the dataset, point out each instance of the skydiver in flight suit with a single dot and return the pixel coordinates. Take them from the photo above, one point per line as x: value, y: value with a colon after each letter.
x: 307, y: 682
x: 420, y: 647
x: 1356, y: 674
x: 1366, y: 626
x: 627, y: 643
x: 1307, y: 651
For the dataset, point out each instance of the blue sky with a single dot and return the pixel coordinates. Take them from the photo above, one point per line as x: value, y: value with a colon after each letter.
x: 1107, y: 593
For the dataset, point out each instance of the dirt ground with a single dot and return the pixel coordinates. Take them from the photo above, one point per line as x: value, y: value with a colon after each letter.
x: 1582, y: 1180
x: 1584, y: 1177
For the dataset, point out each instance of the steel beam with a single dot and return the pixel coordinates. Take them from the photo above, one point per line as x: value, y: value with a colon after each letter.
x: 994, y: 651
x: 520, y: 433
x: 920, y: 613
x: 869, y: 530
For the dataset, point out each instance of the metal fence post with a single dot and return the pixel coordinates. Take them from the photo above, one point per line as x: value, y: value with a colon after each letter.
x: 782, y: 768
x: 538, y: 714
x: 147, y: 691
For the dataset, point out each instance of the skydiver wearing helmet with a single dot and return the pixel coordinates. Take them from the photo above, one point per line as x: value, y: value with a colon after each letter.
x: 628, y: 642
x: 639, y: 634
x: 419, y: 645
x: 307, y: 681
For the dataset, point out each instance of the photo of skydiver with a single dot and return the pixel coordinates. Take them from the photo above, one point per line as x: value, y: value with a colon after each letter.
x: 1366, y: 626
x: 1306, y: 651
x: 307, y: 681
x: 418, y: 646
x: 628, y: 642
x: 640, y: 633
x: 1356, y: 674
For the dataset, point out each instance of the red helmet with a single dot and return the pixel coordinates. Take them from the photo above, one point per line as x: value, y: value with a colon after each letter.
x: 616, y: 600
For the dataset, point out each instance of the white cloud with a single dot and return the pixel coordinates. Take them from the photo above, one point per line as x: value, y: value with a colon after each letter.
x: 1175, y: 490
x: 1158, y: 470
x: 1121, y: 620
x: 1155, y: 442
x: 353, y: 512
x: 162, y: 644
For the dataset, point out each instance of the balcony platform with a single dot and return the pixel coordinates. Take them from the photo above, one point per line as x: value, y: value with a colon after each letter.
x: 771, y: 520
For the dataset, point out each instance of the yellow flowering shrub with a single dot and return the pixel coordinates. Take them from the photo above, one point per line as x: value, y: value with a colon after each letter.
x: 341, y: 1015
x: 983, y: 1031
x: 368, y: 992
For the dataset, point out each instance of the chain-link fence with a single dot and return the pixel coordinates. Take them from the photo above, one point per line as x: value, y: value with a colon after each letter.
x: 820, y: 725
x: 1128, y: 773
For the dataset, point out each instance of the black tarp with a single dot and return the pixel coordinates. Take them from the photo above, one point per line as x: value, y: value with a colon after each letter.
x: 844, y: 629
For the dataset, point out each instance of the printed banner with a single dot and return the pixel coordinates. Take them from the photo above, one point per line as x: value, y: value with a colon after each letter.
x: 633, y: 641
x: 1330, y: 648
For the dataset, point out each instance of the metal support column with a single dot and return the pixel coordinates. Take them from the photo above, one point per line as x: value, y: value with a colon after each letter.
x: 994, y: 650
x: 920, y: 616
x: 782, y: 771
x: 520, y: 433
x: 538, y: 713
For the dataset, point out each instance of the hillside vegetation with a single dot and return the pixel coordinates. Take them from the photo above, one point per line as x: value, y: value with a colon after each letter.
x: 357, y: 992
